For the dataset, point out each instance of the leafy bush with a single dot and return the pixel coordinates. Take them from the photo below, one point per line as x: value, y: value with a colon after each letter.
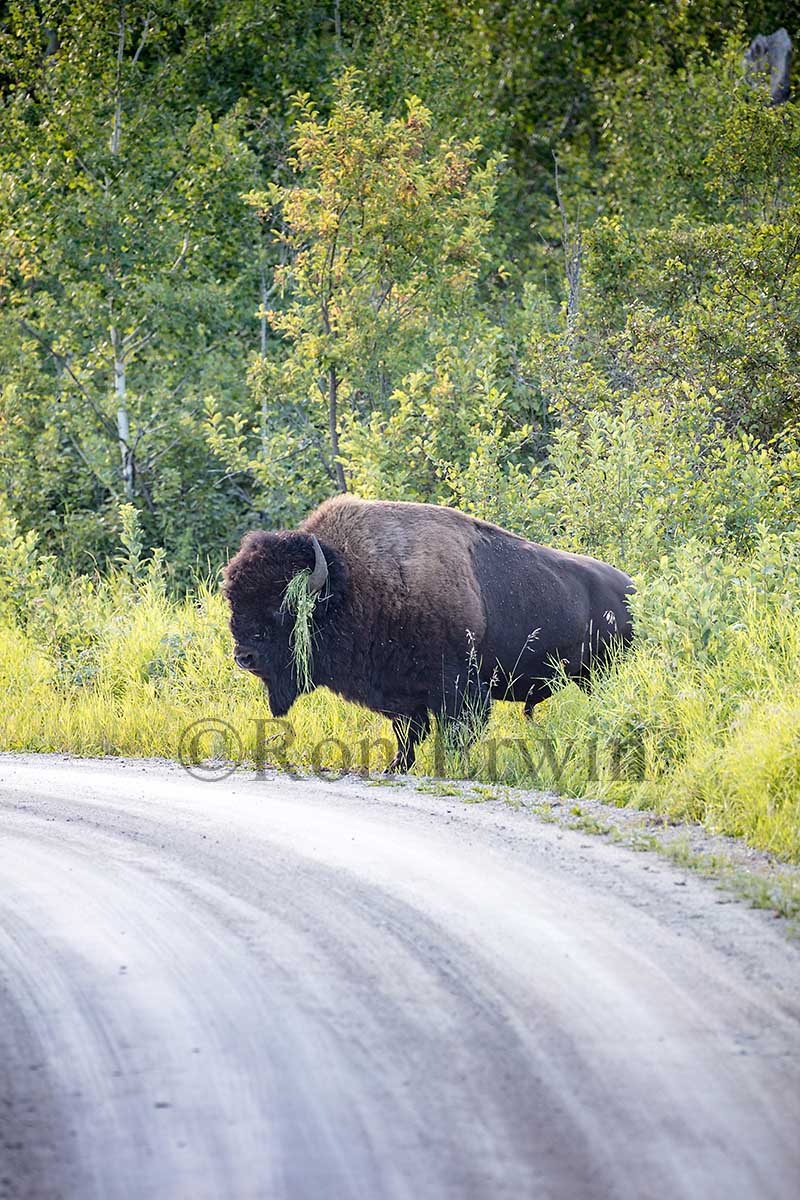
x: 629, y: 485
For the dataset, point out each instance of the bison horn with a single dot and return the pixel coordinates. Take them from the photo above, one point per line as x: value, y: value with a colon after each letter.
x: 319, y: 576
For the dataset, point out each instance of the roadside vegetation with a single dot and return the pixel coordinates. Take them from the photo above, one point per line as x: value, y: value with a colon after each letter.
x: 700, y: 722
x: 219, y: 305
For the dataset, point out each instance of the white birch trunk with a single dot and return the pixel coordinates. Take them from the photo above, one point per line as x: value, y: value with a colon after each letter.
x: 120, y: 381
x: 123, y: 421
x: 116, y: 129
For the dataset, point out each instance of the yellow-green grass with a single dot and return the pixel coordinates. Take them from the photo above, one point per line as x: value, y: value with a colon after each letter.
x: 120, y: 669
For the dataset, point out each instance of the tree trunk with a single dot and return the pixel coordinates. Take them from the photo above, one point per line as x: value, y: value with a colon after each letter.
x: 120, y: 381
x: 333, y: 390
x: 123, y: 422
x: 116, y: 129
x: 263, y: 319
x: 572, y: 243
x: 337, y: 26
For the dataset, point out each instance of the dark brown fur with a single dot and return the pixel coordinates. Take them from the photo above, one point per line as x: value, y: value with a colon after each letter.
x: 426, y: 610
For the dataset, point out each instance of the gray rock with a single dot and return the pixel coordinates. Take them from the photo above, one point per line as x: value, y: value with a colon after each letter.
x: 770, y: 55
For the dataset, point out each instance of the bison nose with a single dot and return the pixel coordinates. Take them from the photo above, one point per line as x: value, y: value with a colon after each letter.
x: 244, y: 658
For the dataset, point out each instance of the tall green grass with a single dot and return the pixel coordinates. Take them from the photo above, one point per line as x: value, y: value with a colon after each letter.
x: 700, y: 721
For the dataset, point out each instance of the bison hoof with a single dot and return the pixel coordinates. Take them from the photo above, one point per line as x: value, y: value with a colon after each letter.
x: 398, y: 765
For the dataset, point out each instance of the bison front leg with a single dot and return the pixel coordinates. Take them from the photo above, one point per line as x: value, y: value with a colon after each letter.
x: 409, y: 732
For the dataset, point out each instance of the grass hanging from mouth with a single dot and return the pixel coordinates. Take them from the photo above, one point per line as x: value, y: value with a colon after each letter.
x: 300, y: 603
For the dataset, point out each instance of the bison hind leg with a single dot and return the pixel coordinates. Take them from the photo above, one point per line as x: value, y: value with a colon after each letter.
x: 409, y: 732
x: 539, y: 692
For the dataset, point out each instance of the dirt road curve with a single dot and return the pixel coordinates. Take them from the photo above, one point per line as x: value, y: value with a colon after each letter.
x: 322, y: 991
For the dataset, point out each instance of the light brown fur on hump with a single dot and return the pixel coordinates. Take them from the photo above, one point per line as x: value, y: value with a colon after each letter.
x: 417, y: 553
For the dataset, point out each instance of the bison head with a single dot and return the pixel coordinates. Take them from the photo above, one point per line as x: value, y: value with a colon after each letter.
x: 255, y: 584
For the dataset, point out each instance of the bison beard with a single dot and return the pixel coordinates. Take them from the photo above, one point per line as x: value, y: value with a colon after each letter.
x: 423, y: 610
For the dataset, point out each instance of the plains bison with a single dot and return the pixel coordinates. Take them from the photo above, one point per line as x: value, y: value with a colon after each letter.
x: 418, y: 610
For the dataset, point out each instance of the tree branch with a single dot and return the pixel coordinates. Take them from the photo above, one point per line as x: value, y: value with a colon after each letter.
x: 64, y: 365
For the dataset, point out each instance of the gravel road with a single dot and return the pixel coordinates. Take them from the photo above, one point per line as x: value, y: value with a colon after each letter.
x: 319, y: 991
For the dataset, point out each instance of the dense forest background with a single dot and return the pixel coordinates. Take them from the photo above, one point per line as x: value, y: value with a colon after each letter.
x: 536, y: 259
